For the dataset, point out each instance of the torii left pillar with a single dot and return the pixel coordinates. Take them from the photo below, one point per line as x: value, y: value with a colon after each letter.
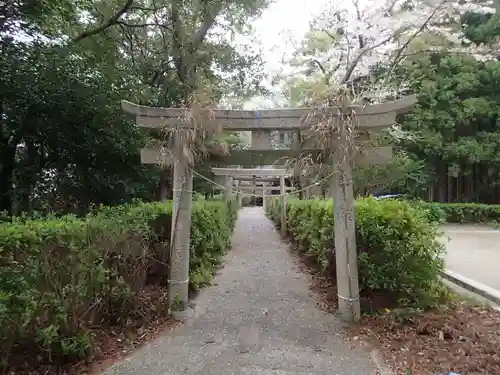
x: 264, y: 197
x: 228, y: 187
x: 283, y: 205
x: 178, y: 281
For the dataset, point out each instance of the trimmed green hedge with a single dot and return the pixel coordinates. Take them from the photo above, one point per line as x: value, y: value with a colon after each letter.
x: 59, y: 276
x: 462, y: 212
x: 398, y: 250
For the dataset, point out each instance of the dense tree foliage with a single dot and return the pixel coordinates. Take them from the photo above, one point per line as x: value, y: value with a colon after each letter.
x: 66, y: 65
x: 448, y: 147
x: 454, y: 130
x: 63, y: 137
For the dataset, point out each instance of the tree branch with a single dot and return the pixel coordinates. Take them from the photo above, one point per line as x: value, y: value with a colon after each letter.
x: 326, y: 74
x: 330, y: 34
x: 138, y: 25
x: 361, y: 38
x: 320, y: 66
x: 148, y: 9
x: 177, y: 42
x: 399, y: 53
x: 390, y: 9
x: 208, y: 21
x: 349, y: 49
x: 113, y: 20
x: 357, y: 59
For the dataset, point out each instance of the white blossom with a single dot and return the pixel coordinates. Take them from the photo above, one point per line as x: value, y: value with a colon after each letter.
x: 351, y: 36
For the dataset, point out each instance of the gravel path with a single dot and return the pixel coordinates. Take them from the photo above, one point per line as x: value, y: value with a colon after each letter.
x: 258, y: 318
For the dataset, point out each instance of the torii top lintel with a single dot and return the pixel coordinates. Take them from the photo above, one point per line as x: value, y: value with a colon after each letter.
x: 252, y: 172
x: 371, y: 116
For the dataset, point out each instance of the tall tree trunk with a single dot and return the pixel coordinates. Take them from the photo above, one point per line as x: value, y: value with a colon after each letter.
x: 430, y: 197
x: 7, y: 167
x: 32, y: 168
x: 442, y: 179
x: 449, y: 194
x: 165, y: 186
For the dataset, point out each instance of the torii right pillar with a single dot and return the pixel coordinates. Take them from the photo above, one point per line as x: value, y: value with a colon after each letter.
x: 384, y: 115
x: 345, y: 232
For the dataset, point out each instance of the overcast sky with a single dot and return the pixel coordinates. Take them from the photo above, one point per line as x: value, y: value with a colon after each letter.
x: 283, y: 23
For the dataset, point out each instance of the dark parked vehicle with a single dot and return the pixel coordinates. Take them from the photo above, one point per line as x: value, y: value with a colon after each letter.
x: 393, y: 196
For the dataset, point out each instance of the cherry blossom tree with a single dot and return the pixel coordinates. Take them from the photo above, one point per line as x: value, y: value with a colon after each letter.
x: 348, y: 39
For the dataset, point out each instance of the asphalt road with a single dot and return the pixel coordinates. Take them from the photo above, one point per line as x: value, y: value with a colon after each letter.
x: 473, y: 251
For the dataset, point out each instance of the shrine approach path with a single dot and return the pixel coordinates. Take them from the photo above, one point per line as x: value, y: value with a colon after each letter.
x: 258, y: 317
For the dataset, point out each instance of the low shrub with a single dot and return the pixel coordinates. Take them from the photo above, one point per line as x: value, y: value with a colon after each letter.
x: 464, y: 212
x: 441, y: 213
x: 211, y: 229
x: 433, y: 212
x: 60, y: 276
x: 398, y: 250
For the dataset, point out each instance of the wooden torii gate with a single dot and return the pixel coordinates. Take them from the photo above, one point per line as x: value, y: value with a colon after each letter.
x: 261, y: 122
x: 263, y: 188
x: 263, y: 175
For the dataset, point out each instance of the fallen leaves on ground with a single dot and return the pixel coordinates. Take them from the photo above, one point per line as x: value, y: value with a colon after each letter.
x: 462, y: 338
x: 465, y: 339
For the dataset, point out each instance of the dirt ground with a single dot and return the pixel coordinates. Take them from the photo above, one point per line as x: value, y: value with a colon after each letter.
x: 462, y: 338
